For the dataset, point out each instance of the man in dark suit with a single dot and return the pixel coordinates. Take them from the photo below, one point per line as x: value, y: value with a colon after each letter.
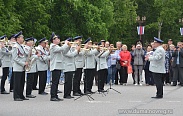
x: 177, y: 64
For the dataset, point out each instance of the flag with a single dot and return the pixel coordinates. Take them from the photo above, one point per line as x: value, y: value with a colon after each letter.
x: 140, y: 30
x: 181, y: 31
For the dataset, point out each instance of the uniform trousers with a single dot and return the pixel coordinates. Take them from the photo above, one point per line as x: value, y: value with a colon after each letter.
x: 42, y: 80
x: 55, y: 81
x: 19, y: 81
x: 88, y: 81
x: 35, y: 80
x: 68, y: 83
x: 76, y: 80
x: 158, y: 77
x: 4, y: 77
x: 29, y: 83
x: 101, y: 78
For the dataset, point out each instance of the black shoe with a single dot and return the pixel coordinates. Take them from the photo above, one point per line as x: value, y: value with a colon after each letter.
x: 30, y: 96
x: 43, y: 93
x: 91, y: 92
x: 25, y: 99
x: 174, y: 85
x: 59, y: 91
x: 54, y: 99
x: 11, y: 90
x: 76, y: 94
x: 81, y: 93
x: 5, y: 92
x: 157, y: 97
x: 59, y: 99
x: 18, y: 99
x: 35, y: 88
x: 104, y: 90
x: 68, y: 97
x: 87, y: 92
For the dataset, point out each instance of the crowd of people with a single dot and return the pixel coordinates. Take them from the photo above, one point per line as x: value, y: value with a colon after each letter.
x: 99, y: 60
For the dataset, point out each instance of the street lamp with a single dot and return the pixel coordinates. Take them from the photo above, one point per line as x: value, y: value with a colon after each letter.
x: 141, y: 21
x: 181, y: 29
x: 181, y: 20
x: 159, y: 28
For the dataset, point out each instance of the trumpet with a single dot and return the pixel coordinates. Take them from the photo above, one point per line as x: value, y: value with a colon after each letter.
x: 63, y: 42
x: 114, y: 48
x: 85, y: 49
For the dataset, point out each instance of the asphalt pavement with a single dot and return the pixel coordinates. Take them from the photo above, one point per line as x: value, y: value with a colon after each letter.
x: 133, y: 100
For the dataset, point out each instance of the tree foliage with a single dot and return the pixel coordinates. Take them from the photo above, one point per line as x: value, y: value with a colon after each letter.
x: 112, y: 20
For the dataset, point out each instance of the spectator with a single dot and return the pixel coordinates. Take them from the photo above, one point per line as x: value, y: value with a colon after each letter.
x: 177, y: 64
x: 132, y: 62
x: 153, y: 47
x: 125, y: 60
x: 111, y: 63
x: 171, y: 50
x: 167, y: 64
x: 169, y: 43
x: 107, y: 44
x: 118, y: 66
x: 138, y: 63
x: 148, y: 74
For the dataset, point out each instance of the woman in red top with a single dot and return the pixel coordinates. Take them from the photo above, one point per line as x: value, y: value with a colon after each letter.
x: 125, y: 59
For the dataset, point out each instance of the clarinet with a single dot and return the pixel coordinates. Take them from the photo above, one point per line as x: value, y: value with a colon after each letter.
x: 41, y: 56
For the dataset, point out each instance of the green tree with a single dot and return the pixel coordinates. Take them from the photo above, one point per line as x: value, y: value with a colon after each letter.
x: 9, y: 20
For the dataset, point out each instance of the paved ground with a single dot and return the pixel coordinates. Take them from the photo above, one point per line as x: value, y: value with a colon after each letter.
x: 131, y: 97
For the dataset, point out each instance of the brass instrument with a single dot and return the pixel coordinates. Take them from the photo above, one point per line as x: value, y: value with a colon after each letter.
x: 114, y: 48
x: 6, y: 43
x: 63, y: 42
x: 41, y: 56
x: 85, y: 49
x: 27, y: 68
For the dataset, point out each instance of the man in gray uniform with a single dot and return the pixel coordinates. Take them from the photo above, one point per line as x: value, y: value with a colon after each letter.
x: 157, y: 66
x: 19, y: 62
x: 6, y: 59
x: 89, y: 68
x: 102, y: 68
x: 42, y: 66
x: 33, y: 69
x: 79, y: 62
x: 69, y: 69
x: 56, y: 63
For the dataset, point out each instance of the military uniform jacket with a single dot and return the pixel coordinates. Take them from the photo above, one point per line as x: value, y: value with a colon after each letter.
x: 157, y: 61
x: 6, y: 57
x: 19, y: 58
x: 56, y: 56
x: 69, y: 60
x: 33, y: 58
x: 79, y: 59
x: 90, y: 61
x: 42, y: 64
x: 102, y: 60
